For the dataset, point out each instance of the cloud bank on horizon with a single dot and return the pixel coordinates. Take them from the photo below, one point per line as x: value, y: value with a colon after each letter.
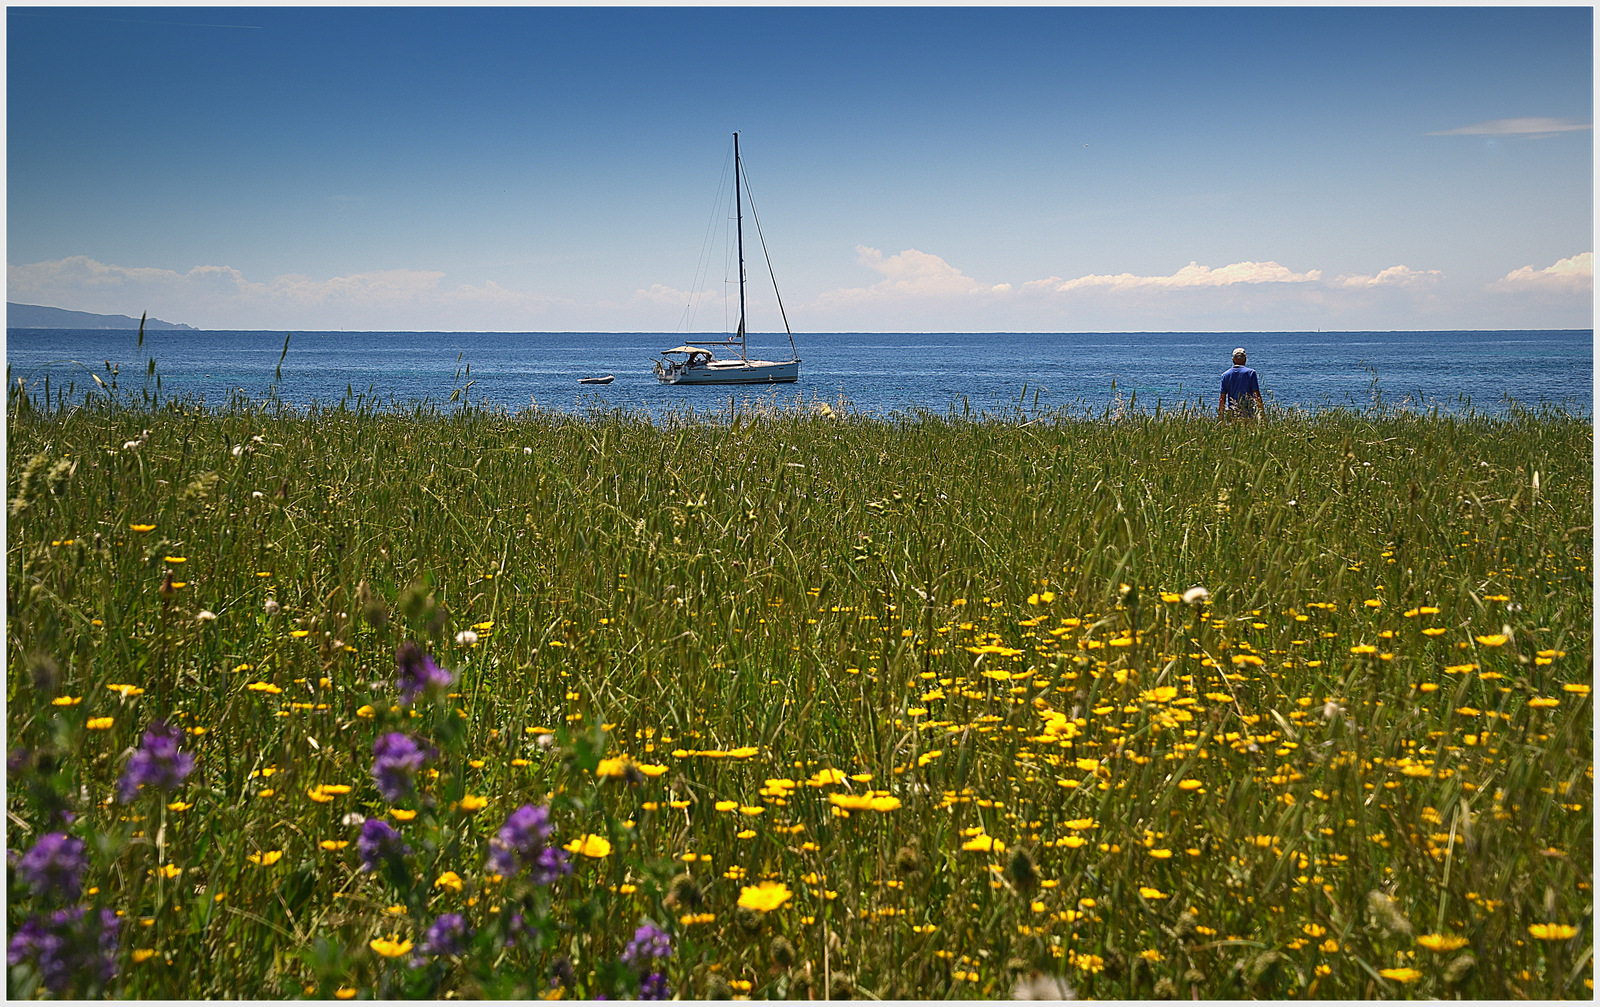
x: 913, y: 285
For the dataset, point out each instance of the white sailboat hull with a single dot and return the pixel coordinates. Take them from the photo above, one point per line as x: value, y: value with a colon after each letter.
x: 729, y: 372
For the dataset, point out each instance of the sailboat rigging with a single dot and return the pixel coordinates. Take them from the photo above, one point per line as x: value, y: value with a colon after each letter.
x: 695, y: 363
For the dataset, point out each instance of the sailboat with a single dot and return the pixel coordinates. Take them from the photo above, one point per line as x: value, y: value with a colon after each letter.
x: 695, y: 363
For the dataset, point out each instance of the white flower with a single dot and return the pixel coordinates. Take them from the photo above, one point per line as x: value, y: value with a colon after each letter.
x: 238, y: 449
x: 1196, y: 596
x: 256, y: 494
x: 354, y: 818
x: 1038, y: 986
x: 467, y: 638
x: 205, y: 615
x: 272, y: 607
x: 1330, y: 710
x: 527, y: 451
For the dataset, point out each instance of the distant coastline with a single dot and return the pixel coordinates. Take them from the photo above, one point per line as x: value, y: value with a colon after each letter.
x: 38, y: 316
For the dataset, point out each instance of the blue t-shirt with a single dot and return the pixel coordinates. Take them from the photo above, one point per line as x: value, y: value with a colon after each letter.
x: 1240, y: 385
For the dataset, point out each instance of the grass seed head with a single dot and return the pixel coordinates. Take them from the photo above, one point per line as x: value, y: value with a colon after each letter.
x: 682, y: 892
x: 781, y: 952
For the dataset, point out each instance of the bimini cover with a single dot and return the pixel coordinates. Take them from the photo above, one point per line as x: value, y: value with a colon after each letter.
x: 688, y: 349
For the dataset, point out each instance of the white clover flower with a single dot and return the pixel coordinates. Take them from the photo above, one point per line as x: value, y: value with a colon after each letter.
x: 256, y: 494
x: 205, y: 615
x: 527, y: 451
x: 238, y: 449
x: 1196, y: 596
x: 272, y: 607
x: 467, y: 638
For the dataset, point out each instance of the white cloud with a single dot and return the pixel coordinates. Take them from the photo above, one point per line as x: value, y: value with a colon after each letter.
x: 1196, y: 275
x: 909, y: 275
x: 660, y: 293
x: 1533, y: 126
x: 1575, y: 274
x: 223, y: 297
x: 920, y: 290
x: 1394, y: 276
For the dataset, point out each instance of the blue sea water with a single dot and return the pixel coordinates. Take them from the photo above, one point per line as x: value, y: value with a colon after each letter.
x: 874, y: 373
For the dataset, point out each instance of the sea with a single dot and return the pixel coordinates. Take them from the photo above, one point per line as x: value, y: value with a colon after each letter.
x: 878, y: 374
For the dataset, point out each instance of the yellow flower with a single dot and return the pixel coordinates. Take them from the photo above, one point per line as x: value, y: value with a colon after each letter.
x: 726, y: 805
x: 590, y: 846
x: 66, y: 701
x: 1441, y: 942
x: 1188, y: 784
x: 1552, y: 931
x: 345, y: 992
x: 1401, y: 975
x: 263, y: 687
x: 450, y: 880
x: 179, y: 806
x: 1540, y: 702
x: 1576, y: 688
x: 826, y: 777
x: 984, y: 844
x: 1152, y: 893
x: 169, y: 871
x: 389, y: 947
x: 142, y: 955
x: 100, y: 723
x: 142, y: 527
x: 402, y: 815
x: 471, y: 803
x: 1161, y: 854
x: 765, y: 897
x: 334, y: 845
x: 366, y: 712
x: 1493, y: 640
x: 266, y: 859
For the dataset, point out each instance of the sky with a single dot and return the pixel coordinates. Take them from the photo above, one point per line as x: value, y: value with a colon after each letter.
x: 1032, y: 169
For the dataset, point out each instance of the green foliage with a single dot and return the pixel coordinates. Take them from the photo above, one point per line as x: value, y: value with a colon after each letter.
x: 978, y: 618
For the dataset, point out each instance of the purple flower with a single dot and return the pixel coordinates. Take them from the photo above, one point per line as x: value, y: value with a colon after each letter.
x: 649, y: 943
x: 69, y: 947
x: 655, y: 987
x: 55, y: 864
x: 396, y: 758
x: 416, y: 673
x: 379, y: 843
x: 157, y: 764
x: 521, y: 843
x: 447, y: 935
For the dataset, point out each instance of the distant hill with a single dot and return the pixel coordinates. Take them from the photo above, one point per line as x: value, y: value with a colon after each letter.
x: 37, y: 316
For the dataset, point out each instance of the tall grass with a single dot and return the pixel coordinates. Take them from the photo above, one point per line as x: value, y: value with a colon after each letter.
x: 1374, y: 727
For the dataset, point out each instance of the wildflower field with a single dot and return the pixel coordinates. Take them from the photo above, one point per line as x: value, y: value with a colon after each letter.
x: 358, y: 702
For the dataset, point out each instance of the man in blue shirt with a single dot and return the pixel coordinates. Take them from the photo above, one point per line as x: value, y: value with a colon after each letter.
x: 1241, y: 390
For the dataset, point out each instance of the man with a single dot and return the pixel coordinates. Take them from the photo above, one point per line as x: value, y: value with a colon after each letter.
x: 1241, y: 390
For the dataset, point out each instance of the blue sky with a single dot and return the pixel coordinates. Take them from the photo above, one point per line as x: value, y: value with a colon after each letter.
x: 916, y: 169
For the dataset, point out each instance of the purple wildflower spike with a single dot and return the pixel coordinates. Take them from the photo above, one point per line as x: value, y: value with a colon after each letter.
x: 415, y: 673
x: 157, y: 764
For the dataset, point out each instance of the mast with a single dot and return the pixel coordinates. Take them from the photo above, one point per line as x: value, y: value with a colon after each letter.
x: 738, y: 212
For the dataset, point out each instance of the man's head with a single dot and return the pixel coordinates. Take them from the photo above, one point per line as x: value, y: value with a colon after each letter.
x: 1238, y: 355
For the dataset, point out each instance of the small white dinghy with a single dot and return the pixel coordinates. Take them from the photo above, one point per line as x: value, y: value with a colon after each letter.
x: 603, y: 380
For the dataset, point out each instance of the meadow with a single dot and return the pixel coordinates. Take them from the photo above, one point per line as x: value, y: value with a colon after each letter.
x: 365, y: 701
